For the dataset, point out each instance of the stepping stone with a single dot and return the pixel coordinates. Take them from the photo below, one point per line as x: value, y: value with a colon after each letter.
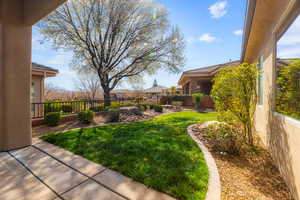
x: 79, y: 163
x: 90, y: 190
x: 122, y: 184
x: 55, y: 174
x: 18, y: 183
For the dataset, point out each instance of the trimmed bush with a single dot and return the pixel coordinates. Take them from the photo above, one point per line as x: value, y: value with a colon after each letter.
x: 151, y: 106
x: 197, y: 99
x: 51, y: 107
x: 86, y: 116
x: 158, y: 108
x: 67, y: 108
x: 142, y: 107
x: 97, y: 108
x: 224, y: 138
x: 52, y: 118
x: 115, y: 105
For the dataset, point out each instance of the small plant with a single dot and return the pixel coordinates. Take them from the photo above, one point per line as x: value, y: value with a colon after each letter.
x: 99, y: 108
x: 52, y: 118
x: 51, y: 107
x: 197, y: 99
x: 114, y: 105
x: 151, y: 106
x: 86, y: 116
x: 224, y: 138
x: 67, y: 108
x: 177, y: 103
x: 142, y: 107
x: 158, y: 108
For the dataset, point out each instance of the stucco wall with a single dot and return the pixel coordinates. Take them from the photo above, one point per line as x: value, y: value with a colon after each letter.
x: 38, y: 88
x: 280, y: 134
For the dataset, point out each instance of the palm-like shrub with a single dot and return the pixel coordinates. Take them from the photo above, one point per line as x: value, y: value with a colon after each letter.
x: 197, y: 99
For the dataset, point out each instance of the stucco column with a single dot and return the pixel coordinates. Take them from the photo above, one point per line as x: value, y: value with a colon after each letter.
x: 15, y: 76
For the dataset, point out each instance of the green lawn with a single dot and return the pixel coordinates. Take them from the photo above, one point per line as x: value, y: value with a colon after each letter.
x: 157, y: 152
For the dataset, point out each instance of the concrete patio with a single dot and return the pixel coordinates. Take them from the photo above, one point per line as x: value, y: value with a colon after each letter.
x: 44, y: 171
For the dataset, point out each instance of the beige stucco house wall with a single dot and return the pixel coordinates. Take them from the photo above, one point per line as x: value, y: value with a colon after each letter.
x: 38, y: 75
x: 16, y: 20
x: 265, y: 23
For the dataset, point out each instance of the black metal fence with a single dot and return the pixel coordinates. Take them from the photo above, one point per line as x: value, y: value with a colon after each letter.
x: 38, y: 110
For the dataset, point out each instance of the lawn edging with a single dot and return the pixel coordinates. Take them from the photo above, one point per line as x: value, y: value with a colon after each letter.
x: 214, y: 184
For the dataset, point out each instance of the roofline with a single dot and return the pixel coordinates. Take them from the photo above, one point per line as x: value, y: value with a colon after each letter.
x: 207, y: 67
x: 250, y: 10
x: 46, y: 69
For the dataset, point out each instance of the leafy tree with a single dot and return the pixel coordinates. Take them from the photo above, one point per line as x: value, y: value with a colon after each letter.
x: 116, y: 39
x: 288, y: 93
x: 235, y: 96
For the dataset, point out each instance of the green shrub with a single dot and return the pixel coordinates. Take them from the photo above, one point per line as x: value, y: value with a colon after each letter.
x: 158, y: 108
x: 51, y: 107
x: 127, y: 103
x: 197, y: 99
x: 67, y: 108
x: 151, y: 106
x: 288, y: 93
x: 177, y: 103
x: 86, y: 116
x: 114, y: 105
x: 235, y: 96
x: 52, y: 118
x: 224, y: 138
x: 142, y: 107
x: 99, y: 108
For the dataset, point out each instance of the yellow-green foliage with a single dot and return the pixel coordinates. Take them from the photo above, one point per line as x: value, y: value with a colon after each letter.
x: 288, y: 94
x: 235, y: 96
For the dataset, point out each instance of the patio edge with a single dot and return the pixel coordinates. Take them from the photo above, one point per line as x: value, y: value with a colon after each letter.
x: 214, y: 184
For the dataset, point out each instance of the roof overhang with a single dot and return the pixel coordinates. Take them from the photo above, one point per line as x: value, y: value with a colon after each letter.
x: 263, y: 19
x: 35, y: 10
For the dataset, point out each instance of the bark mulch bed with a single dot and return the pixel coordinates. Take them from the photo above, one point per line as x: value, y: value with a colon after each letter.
x: 42, y: 130
x: 250, y: 176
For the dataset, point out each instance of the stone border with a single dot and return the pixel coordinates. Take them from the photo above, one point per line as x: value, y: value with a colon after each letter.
x: 214, y: 184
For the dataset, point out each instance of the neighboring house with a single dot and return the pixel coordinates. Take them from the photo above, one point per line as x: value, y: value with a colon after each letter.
x: 200, y: 80
x: 38, y: 75
x: 155, y: 90
x: 266, y: 21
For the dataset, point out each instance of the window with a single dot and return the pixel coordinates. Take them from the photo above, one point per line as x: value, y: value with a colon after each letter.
x: 33, y: 92
x: 261, y: 81
x: 288, y: 72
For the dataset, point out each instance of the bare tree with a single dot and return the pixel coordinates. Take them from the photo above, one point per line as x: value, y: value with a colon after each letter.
x: 89, y: 85
x: 116, y: 39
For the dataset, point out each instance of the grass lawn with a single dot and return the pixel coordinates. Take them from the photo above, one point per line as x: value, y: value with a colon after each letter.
x: 156, y: 152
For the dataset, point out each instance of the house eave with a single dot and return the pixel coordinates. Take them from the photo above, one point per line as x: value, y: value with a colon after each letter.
x: 250, y: 10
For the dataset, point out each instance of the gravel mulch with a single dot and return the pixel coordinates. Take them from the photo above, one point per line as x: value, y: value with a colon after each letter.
x: 249, y: 176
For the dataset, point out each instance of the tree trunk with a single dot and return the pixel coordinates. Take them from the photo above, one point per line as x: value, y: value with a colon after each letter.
x: 107, y: 101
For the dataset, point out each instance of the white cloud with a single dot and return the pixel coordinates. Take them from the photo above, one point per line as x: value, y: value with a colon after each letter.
x: 218, y: 9
x: 289, y: 43
x: 207, y: 38
x: 238, y: 32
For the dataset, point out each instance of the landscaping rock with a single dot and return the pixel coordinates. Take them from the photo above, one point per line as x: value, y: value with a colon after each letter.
x: 131, y: 110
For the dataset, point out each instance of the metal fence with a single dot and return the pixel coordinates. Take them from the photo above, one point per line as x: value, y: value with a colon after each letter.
x: 38, y: 110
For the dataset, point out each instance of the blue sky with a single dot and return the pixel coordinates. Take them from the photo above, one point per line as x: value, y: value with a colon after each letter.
x: 212, y: 28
